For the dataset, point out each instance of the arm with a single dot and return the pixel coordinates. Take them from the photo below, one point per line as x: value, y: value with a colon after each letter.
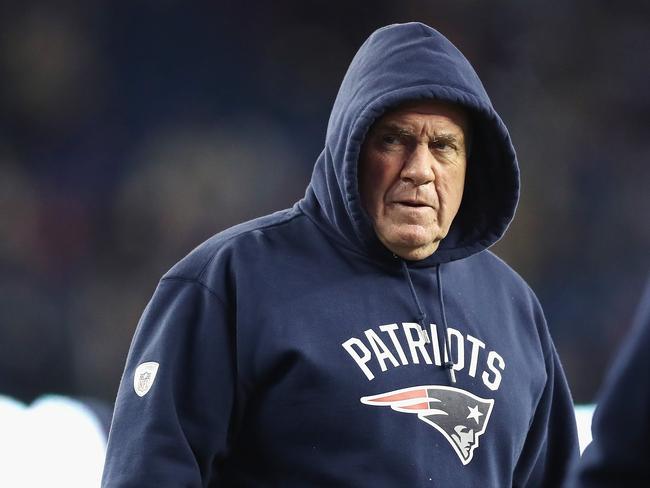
x: 177, y: 433
x: 618, y: 454
x: 552, y: 442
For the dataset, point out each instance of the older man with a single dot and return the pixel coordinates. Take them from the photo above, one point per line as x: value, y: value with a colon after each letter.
x: 364, y: 337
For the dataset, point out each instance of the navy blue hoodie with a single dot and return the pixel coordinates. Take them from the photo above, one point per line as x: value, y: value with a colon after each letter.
x: 295, y: 350
x: 618, y: 454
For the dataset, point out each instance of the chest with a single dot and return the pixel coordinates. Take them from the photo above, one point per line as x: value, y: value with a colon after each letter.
x: 346, y: 361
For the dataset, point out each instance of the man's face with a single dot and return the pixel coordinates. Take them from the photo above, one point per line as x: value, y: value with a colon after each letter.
x: 412, y: 174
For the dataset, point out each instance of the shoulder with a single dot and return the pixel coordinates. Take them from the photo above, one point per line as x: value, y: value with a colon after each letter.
x: 245, y: 240
x: 493, y: 281
x: 488, y: 268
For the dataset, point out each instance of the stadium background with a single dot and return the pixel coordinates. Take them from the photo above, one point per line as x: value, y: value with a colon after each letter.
x: 132, y: 131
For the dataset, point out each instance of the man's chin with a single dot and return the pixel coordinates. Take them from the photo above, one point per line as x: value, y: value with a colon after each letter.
x: 418, y: 253
x: 412, y: 249
x: 412, y: 242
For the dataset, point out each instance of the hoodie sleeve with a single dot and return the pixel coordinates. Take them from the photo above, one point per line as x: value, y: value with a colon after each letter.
x: 618, y: 454
x: 174, y: 430
x: 552, y: 442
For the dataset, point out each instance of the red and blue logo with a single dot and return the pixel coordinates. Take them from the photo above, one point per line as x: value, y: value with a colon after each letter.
x: 461, y: 417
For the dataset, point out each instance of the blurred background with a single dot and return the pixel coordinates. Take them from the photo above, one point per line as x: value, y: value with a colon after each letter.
x: 132, y: 131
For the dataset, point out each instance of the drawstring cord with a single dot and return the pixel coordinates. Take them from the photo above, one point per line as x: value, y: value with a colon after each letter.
x: 422, y: 317
x: 448, y: 362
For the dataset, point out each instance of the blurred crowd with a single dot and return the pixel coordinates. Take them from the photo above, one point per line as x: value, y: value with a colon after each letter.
x: 132, y: 131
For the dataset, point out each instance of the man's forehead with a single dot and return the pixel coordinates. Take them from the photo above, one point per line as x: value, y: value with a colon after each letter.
x: 414, y: 110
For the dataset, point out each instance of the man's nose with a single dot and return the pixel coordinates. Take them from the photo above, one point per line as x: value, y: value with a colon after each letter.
x: 418, y: 168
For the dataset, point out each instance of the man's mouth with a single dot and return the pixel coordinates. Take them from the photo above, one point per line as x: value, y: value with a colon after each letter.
x: 413, y: 204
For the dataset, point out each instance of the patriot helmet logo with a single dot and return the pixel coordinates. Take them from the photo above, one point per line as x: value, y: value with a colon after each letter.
x: 457, y: 414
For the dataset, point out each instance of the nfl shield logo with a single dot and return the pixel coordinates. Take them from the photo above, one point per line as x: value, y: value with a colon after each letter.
x: 144, y: 376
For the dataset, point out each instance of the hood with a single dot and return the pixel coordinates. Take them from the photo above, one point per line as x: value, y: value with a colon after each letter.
x: 396, y: 64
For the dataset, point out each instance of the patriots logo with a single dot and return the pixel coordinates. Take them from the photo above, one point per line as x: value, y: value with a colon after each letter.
x: 457, y: 414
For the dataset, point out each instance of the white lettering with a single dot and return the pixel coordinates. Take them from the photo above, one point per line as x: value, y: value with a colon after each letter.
x: 361, y: 360
x: 435, y: 345
x: 390, y: 329
x: 459, y: 357
x: 415, y: 345
x: 493, y: 384
x: 381, y: 351
x: 476, y: 345
x: 391, y: 352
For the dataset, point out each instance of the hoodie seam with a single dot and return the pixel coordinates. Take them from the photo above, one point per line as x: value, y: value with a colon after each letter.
x: 243, y: 233
x: 196, y: 282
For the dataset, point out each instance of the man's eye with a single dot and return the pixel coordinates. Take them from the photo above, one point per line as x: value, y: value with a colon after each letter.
x: 390, y: 140
x: 442, y: 145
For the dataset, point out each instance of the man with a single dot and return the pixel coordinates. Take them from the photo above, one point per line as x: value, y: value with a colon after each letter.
x: 364, y: 337
x: 618, y: 453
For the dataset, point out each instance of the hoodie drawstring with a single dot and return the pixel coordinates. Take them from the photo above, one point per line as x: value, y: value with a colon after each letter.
x: 448, y: 362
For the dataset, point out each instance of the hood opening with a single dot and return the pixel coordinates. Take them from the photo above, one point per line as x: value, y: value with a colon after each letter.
x: 397, y: 64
